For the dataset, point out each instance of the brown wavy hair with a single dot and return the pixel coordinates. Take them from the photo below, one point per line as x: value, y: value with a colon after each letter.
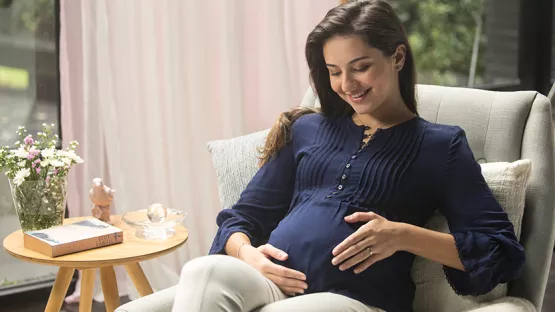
x: 280, y: 133
x: 379, y: 26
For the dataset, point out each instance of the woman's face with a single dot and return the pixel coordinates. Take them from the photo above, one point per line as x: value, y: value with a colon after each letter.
x: 361, y: 75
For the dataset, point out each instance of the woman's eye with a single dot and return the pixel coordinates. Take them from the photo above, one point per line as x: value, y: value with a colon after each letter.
x: 335, y: 74
x: 362, y: 69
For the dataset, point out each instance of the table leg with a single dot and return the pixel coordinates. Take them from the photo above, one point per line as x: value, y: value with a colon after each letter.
x: 87, y: 287
x: 139, y: 279
x: 59, y: 290
x: 109, y: 288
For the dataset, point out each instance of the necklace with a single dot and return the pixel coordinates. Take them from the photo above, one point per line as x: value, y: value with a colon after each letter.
x: 369, y: 136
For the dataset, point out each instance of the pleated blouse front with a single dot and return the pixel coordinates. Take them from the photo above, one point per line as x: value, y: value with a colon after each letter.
x: 297, y: 202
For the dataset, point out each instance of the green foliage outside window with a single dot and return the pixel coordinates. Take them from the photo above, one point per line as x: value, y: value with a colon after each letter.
x: 28, y: 17
x: 442, y: 35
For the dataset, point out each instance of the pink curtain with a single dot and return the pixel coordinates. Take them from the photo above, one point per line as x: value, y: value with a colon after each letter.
x: 146, y: 84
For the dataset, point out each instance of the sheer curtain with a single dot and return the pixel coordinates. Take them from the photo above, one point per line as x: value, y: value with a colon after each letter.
x: 146, y: 84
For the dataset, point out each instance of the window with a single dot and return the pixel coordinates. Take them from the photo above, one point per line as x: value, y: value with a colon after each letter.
x: 462, y: 43
x: 29, y: 96
x: 489, y: 44
x: 29, y: 88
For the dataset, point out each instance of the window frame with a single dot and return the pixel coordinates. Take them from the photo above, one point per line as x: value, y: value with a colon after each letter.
x: 534, y: 49
x: 8, y: 293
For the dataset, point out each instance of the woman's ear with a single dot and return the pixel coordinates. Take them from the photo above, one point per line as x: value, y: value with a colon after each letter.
x: 399, y: 57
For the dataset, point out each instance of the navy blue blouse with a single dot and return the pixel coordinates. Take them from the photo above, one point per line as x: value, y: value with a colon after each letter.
x: 298, y: 200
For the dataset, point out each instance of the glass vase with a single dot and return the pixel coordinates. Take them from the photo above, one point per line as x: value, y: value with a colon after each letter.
x: 40, y: 204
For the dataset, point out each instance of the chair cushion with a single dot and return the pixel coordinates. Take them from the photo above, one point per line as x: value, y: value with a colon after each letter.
x: 507, y: 182
x: 236, y: 162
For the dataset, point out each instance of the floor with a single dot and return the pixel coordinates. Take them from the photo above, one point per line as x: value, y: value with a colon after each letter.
x: 36, y: 301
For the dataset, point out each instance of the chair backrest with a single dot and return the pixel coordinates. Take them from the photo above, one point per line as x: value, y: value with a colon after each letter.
x: 505, y: 126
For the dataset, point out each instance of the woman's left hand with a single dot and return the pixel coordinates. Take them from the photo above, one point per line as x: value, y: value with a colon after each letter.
x: 376, y: 240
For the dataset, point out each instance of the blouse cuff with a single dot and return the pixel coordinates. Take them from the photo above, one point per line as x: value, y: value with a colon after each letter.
x: 487, y: 262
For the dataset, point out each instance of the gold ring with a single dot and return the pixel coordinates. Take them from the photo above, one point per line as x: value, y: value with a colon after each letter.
x: 369, y: 251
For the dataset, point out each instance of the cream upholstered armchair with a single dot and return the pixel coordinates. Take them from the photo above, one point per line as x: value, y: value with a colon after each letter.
x: 501, y: 127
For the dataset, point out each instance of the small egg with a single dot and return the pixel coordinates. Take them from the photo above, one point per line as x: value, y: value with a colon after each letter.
x: 157, y: 213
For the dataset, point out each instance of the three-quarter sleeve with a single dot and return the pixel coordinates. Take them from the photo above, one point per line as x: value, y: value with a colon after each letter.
x: 263, y: 203
x: 484, y: 236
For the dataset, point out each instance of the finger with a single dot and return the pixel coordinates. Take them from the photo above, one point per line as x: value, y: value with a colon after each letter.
x: 356, y: 259
x: 291, y: 291
x: 361, y: 217
x: 368, y: 262
x: 363, y: 232
x: 286, y: 282
x: 352, y: 251
x: 280, y: 270
x: 273, y: 252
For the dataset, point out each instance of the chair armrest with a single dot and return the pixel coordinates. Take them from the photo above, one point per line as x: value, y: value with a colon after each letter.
x: 160, y: 301
x: 506, y: 304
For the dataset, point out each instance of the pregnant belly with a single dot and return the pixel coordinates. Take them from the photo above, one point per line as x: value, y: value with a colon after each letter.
x: 308, y: 236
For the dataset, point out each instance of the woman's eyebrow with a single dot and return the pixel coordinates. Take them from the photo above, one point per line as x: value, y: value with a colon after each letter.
x: 351, y: 62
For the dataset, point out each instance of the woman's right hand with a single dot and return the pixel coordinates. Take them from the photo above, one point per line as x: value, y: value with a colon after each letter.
x: 289, y: 281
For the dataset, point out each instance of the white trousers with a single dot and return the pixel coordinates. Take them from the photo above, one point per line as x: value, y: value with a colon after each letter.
x: 219, y: 283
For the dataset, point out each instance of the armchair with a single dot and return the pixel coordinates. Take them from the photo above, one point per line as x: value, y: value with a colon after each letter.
x: 500, y: 126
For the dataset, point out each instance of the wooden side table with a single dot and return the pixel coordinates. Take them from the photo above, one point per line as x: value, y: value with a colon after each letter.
x: 128, y: 253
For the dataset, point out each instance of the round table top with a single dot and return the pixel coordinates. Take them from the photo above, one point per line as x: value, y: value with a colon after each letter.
x: 132, y: 249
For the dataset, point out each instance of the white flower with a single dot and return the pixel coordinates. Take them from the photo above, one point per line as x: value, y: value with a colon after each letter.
x: 63, y: 153
x: 48, y: 152
x: 20, y: 152
x: 66, y: 160
x: 22, y: 163
x: 79, y: 160
x: 71, y: 155
x: 21, y: 175
x: 57, y: 163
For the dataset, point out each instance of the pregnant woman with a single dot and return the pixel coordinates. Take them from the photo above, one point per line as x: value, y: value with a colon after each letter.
x: 333, y: 219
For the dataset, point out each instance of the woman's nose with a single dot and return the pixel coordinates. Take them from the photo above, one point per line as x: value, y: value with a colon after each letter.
x: 349, y: 84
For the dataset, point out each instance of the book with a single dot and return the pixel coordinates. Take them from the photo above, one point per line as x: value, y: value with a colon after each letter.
x: 71, y: 238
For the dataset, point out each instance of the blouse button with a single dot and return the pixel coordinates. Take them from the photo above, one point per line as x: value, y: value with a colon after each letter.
x: 348, y: 166
x: 353, y: 157
x: 340, y: 187
x: 343, y: 177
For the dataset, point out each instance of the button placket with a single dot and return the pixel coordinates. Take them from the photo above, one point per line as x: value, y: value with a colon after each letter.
x: 344, y: 176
